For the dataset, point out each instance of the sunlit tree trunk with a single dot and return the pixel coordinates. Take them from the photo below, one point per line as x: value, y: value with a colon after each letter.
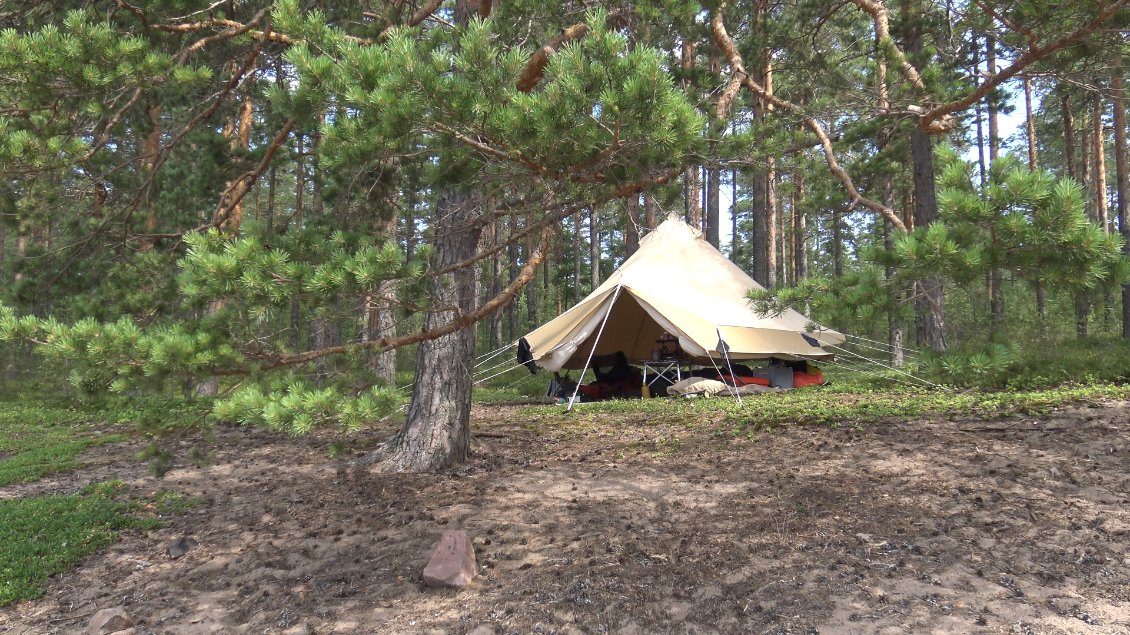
x: 650, y: 210
x: 735, y: 242
x: 148, y: 164
x: 771, y: 224
x: 382, y: 317
x: 1099, y: 171
x: 692, y: 180
x: 512, y: 253
x: 800, y: 228
x: 594, y: 248
x: 713, y: 206
x: 532, y: 291
x: 996, y: 276
x: 994, y: 127
x: 632, y: 225
x: 577, y: 291
x: 1030, y: 120
x: 1068, y: 135
x: 495, y: 329
x: 837, y: 243
x: 979, y: 114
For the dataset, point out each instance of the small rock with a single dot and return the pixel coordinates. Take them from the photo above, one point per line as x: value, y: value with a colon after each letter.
x: 453, y: 561
x: 107, y: 621
x: 180, y: 546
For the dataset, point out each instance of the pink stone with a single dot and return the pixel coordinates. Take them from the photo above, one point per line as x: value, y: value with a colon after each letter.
x: 452, y: 563
x: 107, y: 621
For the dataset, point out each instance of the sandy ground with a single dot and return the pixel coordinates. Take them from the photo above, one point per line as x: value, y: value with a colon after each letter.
x: 616, y: 524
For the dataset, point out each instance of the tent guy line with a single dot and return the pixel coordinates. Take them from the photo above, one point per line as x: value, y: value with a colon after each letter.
x: 603, y: 323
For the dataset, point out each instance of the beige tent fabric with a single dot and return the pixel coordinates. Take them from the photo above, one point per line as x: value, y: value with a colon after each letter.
x: 678, y: 283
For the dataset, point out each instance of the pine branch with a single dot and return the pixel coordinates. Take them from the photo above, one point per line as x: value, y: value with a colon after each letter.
x: 182, y: 56
x: 235, y: 193
x: 534, y: 70
x: 551, y: 220
x: 419, y: 16
x: 881, y: 17
x: 1031, y: 55
x: 737, y: 65
x: 535, y: 67
x: 387, y: 343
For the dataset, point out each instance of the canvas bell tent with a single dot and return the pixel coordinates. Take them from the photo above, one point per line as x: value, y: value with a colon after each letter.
x: 676, y: 283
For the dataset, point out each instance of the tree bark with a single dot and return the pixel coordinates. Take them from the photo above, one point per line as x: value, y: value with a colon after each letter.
x: 650, y: 210
x: 771, y: 224
x: 930, y: 320
x: 594, y: 249
x: 894, y: 325
x: 800, y: 229
x: 1122, y: 171
x: 577, y: 295
x: 713, y: 206
x: 1086, y: 162
x: 1068, y: 135
x: 735, y: 244
x: 759, y: 231
x: 994, y: 127
x: 148, y: 164
x: 978, y: 115
x: 531, y: 289
x: 1033, y: 158
x: 437, y: 432
x: 383, y: 313
x: 495, y: 229
x: 692, y: 183
x: 512, y: 254
x: 929, y: 305
x: 785, y: 240
x: 631, y: 225
x: 1099, y: 142
x: 837, y: 243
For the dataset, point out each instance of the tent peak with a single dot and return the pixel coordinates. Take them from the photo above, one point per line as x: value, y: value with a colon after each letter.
x: 674, y: 227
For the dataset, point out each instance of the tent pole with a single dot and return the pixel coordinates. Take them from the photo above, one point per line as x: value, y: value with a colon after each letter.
x: 588, y: 361
x: 726, y: 356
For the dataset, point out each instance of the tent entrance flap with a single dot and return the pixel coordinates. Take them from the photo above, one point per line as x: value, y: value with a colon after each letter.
x: 630, y: 329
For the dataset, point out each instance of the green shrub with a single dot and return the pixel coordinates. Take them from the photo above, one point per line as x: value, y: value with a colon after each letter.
x: 50, y: 534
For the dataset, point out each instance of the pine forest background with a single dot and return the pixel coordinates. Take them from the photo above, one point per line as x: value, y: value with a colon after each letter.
x: 283, y: 203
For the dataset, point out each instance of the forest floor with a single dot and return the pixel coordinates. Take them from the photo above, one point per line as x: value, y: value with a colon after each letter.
x: 622, y: 523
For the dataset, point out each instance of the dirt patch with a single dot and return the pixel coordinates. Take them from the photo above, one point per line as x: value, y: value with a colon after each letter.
x: 1018, y: 525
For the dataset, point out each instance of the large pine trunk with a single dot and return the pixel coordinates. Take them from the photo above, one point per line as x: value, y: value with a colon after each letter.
x: 930, y: 313
x: 929, y: 304
x: 437, y: 432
